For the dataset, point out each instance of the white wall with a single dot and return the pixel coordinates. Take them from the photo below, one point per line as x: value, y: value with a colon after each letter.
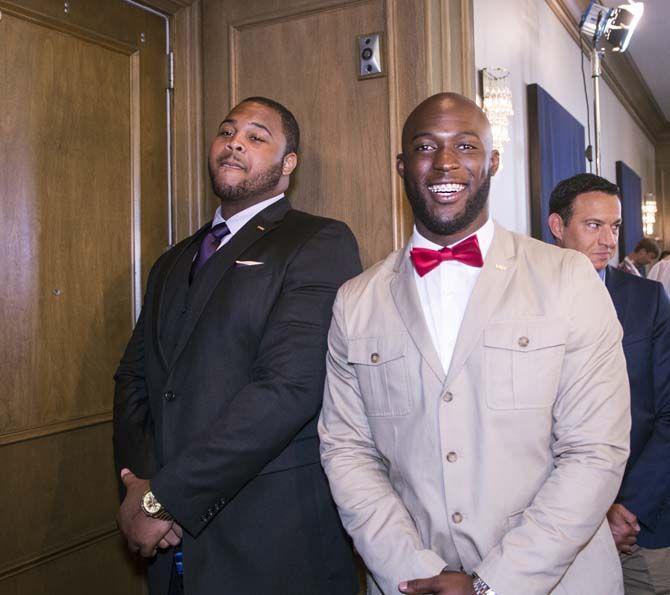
x: 526, y: 37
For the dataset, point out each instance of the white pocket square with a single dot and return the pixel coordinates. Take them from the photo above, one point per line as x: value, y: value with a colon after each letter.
x: 248, y: 263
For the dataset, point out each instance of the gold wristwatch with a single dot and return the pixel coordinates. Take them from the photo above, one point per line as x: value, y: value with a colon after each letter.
x: 153, y: 508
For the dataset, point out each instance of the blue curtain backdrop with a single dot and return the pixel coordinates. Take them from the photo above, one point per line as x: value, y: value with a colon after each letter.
x: 556, y: 147
x: 630, y: 189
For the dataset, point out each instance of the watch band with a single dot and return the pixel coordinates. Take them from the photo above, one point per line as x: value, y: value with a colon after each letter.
x: 480, y: 587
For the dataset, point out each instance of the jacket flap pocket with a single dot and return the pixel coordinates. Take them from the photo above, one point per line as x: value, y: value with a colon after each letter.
x: 375, y: 351
x: 526, y: 335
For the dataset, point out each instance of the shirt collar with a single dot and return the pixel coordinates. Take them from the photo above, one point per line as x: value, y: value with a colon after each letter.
x: 238, y: 220
x: 484, y: 238
x: 601, y: 273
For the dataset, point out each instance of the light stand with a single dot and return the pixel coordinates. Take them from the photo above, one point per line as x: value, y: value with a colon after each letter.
x: 596, y: 71
x: 606, y: 28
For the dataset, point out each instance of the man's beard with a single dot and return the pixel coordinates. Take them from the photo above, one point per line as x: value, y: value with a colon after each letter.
x: 473, y: 208
x: 261, y: 183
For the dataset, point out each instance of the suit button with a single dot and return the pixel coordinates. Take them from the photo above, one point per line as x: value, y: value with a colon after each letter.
x: 374, y: 358
x: 452, y: 457
x: 457, y: 517
x: 168, y: 395
x: 447, y: 397
x: 523, y: 341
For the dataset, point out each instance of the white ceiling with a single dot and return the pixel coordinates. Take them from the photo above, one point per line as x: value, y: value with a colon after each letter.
x: 650, y: 49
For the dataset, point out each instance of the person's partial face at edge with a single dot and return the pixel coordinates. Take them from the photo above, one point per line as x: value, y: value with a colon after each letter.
x: 446, y: 164
x: 644, y: 258
x: 247, y: 160
x: 593, y: 228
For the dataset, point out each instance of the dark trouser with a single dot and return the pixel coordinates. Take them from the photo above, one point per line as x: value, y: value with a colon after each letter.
x: 176, y: 583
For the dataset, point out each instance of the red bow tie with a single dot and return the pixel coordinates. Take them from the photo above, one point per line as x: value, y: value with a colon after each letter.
x: 467, y: 252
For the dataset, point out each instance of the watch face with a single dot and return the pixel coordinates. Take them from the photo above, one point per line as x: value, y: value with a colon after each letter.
x: 150, y: 504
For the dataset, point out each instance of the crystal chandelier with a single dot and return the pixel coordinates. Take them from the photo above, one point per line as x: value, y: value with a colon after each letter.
x: 497, y: 104
x: 649, y: 214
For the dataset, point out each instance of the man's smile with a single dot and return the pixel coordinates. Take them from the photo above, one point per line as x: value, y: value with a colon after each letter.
x: 448, y: 192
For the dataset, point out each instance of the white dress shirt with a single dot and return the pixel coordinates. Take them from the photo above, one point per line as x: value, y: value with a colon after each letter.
x: 239, y: 220
x: 445, y: 291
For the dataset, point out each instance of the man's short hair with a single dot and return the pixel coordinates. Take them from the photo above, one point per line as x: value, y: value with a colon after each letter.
x: 289, y: 123
x: 649, y: 245
x: 563, y: 196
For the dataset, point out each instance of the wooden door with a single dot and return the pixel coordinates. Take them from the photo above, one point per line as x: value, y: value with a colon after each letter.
x: 83, y: 214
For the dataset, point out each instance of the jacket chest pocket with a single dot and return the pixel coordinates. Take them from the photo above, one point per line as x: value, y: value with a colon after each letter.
x: 381, y: 368
x: 522, y: 363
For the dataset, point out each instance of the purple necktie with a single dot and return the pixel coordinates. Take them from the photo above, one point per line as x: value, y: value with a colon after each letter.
x: 209, y: 246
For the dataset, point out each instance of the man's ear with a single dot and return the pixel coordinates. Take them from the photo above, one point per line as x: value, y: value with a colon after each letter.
x: 495, y: 162
x: 556, y: 227
x: 400, y: 165
x: 289, y: 163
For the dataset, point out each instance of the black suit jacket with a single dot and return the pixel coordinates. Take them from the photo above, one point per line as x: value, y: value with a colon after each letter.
x: 643, y: 309
x: 216, y: 401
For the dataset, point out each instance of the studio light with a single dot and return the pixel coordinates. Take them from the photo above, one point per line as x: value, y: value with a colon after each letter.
x: 611, y: 27
x: 604, y: 29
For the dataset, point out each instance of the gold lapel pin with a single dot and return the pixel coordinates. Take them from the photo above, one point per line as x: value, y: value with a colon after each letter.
x: 501, y: 267
x: 260, y: 228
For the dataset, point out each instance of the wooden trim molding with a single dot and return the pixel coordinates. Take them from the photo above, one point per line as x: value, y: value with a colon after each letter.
x: 399, y: 214
x: 450, y: 46
x: 169, y: 7
x: 63, y: 549
x: 188, y: 153
x: 56, y: 428
x: 621, y: 74
x: 39, y: 18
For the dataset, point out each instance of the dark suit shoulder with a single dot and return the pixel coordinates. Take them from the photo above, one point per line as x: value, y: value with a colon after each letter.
x: 616, y: 277
x: 300, y: 227
x: 307, y: 221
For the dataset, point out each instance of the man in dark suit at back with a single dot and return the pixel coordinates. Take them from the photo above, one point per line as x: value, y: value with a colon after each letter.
x: 585, y: 215
x: 218, y: 391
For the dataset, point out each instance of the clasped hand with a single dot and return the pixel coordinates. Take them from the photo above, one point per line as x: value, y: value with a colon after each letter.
x: 447, y: 583
x: 624, y: 526
x: 143, y: 534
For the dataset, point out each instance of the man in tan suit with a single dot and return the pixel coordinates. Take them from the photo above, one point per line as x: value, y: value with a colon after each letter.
x: 475, y: 420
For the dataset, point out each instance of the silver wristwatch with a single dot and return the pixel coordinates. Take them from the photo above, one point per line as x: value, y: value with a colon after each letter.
x: 481, y: 588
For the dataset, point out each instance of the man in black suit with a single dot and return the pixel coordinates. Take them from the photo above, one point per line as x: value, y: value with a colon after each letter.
x: 585, y: 215
x: 218, y: 391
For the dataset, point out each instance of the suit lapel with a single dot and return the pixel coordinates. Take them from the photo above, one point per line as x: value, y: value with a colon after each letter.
x: 498, y: 269
x: 406, y: 298
x: 162, y: 278
x: 217, y: 266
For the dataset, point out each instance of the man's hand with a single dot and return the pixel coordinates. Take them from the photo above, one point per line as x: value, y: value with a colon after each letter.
x: 447, y: 583
x: 144, y: 534
x: 624, y: 527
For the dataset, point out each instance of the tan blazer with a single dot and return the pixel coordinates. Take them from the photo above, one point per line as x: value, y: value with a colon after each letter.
x: 506, y: 465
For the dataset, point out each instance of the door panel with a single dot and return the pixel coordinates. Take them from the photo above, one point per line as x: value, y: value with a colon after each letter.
x: 308, y: 62
x: 83, y: 214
